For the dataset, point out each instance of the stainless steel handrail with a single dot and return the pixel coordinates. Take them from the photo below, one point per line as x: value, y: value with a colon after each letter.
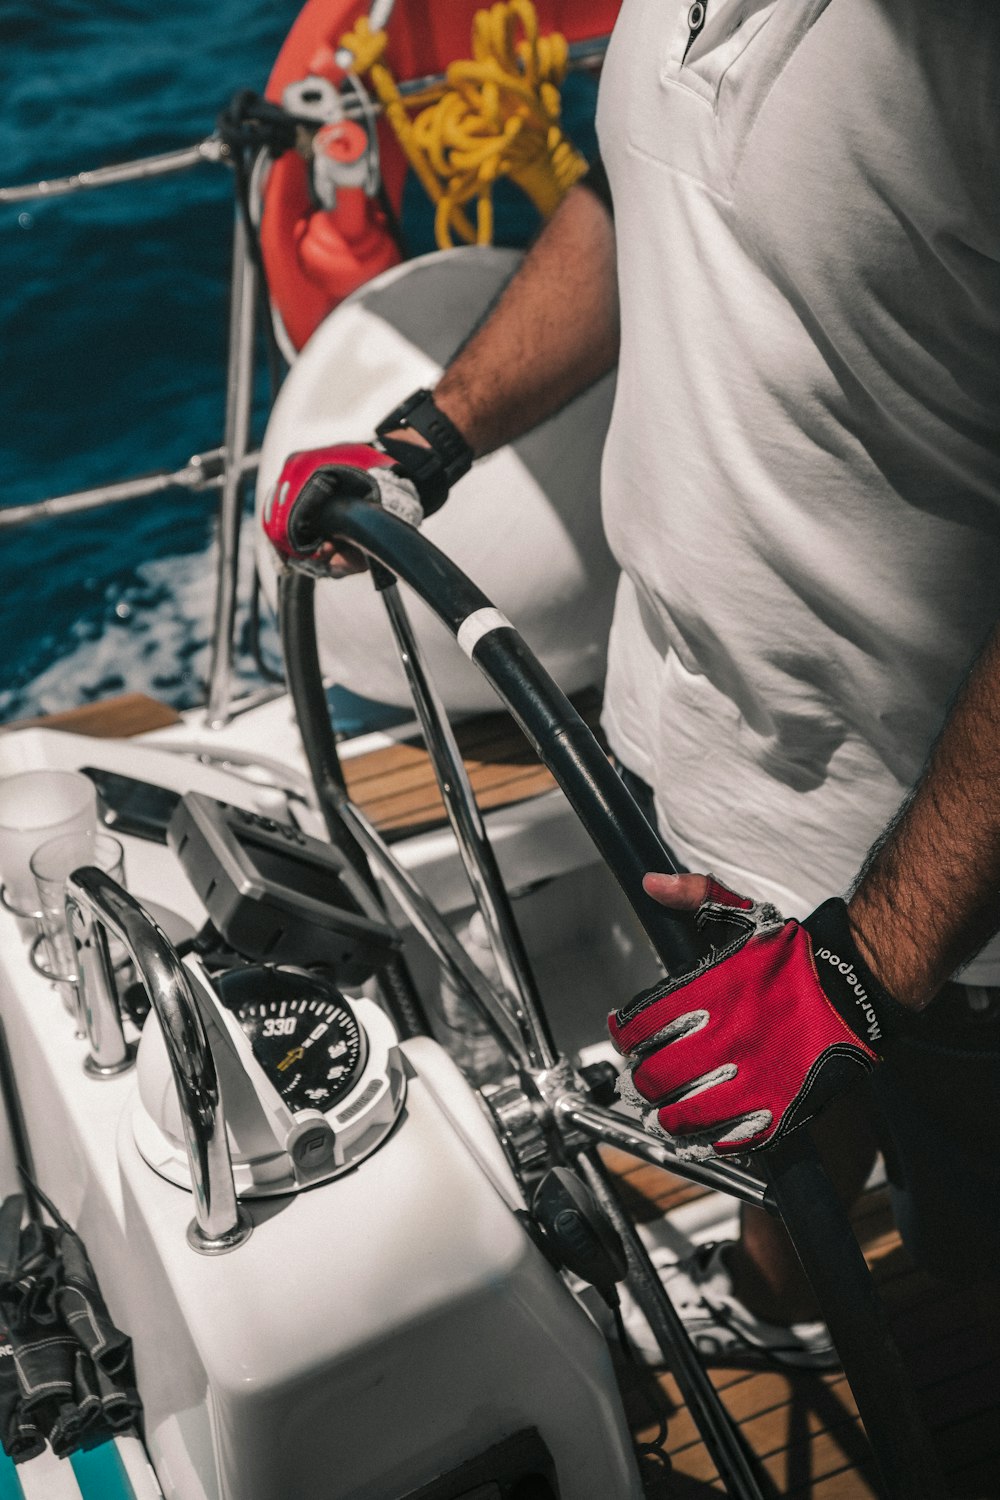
x: 95, y: 906
x: 203, y: 471
x: 141, y: 168
x: 235, y: 459
x: 582, y: 55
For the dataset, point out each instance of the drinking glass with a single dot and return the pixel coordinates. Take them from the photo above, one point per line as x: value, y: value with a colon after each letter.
x: 51, y: 865
x: 36, y: 806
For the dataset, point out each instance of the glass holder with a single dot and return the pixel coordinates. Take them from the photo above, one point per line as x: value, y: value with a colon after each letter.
x: 38, y: 946
x: 16, y: 911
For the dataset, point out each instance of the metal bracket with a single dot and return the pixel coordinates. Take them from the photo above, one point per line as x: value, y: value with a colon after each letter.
x: 523, y: 1136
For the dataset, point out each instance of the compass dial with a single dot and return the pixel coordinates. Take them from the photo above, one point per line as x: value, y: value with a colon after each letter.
x: 303, y: 1033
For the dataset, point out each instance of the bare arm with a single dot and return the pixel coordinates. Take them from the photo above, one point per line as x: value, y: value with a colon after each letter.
x: 553, y: 332
x: 928, y: 896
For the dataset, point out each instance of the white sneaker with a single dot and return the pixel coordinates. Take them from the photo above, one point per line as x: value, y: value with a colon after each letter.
x: 721, y: 1328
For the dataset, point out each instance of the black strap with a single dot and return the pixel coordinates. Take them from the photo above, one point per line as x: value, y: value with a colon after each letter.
x: 435, y: 469
x: 860, y: 998
x: 11, y: 1214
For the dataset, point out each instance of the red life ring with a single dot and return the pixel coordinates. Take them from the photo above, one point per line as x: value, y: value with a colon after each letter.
x: 315, y: 257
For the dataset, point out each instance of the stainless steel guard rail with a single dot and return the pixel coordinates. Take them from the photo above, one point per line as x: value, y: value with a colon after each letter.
x: 799, y: 1188
x: 95, y: 906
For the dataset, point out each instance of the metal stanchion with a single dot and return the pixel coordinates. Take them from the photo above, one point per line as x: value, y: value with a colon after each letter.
x: 239, y: 400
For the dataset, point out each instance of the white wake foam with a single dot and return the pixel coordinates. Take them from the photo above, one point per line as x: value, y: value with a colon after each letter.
x: 155, y: 639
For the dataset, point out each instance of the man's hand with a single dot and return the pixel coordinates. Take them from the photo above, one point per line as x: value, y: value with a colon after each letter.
x: 387, y: 483
x: 778, y: 1017
x: 417, y: 455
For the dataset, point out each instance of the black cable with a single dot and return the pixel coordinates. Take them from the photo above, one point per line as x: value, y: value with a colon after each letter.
x: 312, y: 714
x: 251, y: 122
x: 45, y: 1201
x: 653, y: 1448
x: 392, y: 222
x: 10, y: 1102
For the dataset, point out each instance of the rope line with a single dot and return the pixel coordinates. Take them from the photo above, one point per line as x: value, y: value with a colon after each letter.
x: 496, y: 115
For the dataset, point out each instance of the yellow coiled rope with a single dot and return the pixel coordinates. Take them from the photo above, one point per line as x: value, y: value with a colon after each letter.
x: 497, y: 115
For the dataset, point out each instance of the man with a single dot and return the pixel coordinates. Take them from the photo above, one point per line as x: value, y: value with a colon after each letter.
x: 801, y: 283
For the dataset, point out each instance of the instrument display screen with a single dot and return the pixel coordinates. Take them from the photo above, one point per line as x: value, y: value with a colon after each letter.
x: 296, y: 872
x: 275, y: 894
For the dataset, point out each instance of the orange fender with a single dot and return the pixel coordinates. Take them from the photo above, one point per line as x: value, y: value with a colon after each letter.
x: 314, y: 257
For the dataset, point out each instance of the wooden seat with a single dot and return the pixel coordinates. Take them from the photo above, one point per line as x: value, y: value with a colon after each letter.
x: 397, y: 789
x: 110, y: 719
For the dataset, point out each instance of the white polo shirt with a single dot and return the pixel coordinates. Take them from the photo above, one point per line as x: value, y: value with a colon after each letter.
x: 802, y: 476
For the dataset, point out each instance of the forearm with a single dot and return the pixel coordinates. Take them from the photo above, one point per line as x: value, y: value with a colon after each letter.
x: 551, y: 335
x: 928, y: 896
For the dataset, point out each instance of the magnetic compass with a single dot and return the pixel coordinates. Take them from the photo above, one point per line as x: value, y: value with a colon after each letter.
x: 303, y: 1033
x: 312, y: 1083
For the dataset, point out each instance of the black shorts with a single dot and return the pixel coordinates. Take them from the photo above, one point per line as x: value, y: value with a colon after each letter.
x: 937, y: 1109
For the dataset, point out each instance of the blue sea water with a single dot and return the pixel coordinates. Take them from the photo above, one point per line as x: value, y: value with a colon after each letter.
x: 113, y: 310
x: 113, y: 331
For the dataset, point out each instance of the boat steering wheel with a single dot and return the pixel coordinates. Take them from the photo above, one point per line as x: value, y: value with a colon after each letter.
x: 788, y: 1177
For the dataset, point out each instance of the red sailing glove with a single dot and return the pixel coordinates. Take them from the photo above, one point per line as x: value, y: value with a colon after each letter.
x: 410, y: 479
x: 776, y: 1019
x: 356, y: 469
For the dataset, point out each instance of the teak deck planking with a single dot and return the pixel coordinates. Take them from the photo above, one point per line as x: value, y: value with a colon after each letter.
x: 803, y: 1427
x: 397, y: 789
x: 110, y: 718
